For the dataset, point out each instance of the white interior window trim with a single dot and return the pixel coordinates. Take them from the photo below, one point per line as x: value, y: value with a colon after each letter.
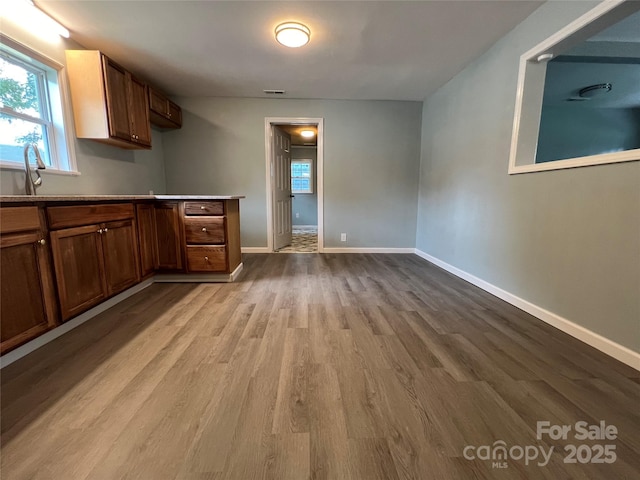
x: 303, y: 161
x: 528, y: 107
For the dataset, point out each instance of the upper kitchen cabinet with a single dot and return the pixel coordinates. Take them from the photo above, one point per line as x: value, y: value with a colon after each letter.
x: 163, y: 112
x: 110, y: 105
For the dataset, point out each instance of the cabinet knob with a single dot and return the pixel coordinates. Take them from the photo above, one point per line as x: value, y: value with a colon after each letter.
x: 105, y: 230
x: 100, y: 231
x: 169, y: 114
x: 202, y: 207
x: 204, y: 229
x: 42, y: 241
x: 206, y: 259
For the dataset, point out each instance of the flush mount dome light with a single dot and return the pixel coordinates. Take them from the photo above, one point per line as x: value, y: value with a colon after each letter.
x: 292, y: 34
x: 594, y: 90
x: 307, y: 133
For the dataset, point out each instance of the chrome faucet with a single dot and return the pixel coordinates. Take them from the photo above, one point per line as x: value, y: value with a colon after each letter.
x: 30, y: 184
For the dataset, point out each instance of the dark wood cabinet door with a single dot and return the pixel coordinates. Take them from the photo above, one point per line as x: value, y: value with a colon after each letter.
x: 147, y: 239
x: 157, y: 102
x: 139, y: 111
x: 169, y: 236
x: 28, y: 299
x: 175, y: 114
x: 162, y: 111
x: 119, y: 247
x: 116, y: 80
x: 77, y: 257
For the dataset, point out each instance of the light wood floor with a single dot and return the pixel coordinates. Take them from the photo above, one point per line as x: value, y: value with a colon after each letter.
x: 312, y: 366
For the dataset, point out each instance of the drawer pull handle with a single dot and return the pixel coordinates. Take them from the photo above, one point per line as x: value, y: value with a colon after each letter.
x: 204, y: 229
x: 42, y: 241
x: 202, y: 207
x: 206, y: 259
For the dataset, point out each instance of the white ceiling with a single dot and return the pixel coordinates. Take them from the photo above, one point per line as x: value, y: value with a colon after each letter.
x: 383, y: 50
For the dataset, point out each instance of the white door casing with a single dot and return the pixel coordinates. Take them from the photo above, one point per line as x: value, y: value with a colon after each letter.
x: 282, y: 188
x: 269, y: 122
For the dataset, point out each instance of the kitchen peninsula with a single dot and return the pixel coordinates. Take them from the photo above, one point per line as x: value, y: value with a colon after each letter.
x: 63, y: 255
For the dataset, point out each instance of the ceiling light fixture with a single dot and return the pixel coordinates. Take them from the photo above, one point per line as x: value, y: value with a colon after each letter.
x: 30, y: 17
x: 595, y: 90
x: 293, y: 34
x: 307, y: 133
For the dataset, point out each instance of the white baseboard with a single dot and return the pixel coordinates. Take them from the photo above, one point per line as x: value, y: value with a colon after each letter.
x: 339, y: 250
x: 597, y: 341
x: 367, y: 250
x: 255, y: 250
x: 60, y: 330
x: 199, y: 277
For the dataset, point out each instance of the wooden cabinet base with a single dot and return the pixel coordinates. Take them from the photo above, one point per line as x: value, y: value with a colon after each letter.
x: 28, y: 300
x: 94, y: 262
x: 94, y: 251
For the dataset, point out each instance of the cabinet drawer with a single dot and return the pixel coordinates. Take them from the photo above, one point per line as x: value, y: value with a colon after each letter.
x: 207, y: 259
x: 19, y: 219
x: 204, y: 208
x: 204, y: 230
x: 78, y: 215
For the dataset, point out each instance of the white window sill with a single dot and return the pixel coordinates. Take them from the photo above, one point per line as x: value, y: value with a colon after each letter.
x: 604, y: 159
x: 47, y: 171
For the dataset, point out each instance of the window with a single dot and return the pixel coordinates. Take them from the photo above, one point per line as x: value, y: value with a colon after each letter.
x: 576, y: 102
x: 31, y: 108
x: 302, y: 176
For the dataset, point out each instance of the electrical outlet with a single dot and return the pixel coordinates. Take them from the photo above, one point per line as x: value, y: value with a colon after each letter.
x: 297, y: 214
x: 343, y: 237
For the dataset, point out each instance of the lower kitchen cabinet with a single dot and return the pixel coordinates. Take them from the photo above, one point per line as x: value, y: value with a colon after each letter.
x: 146, y: 221
x: 28, y: 306
x: 94, y: 262
x: 77, y: 256
x: 62, y: 258
x: 119, y: 248
x: 212, y: 236
x: 169, y: 236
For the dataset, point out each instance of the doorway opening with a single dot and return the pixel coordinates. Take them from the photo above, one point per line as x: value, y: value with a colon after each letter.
x: 294, y: 168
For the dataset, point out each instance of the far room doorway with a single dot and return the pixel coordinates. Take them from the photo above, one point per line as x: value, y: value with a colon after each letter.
x: 294, y: 148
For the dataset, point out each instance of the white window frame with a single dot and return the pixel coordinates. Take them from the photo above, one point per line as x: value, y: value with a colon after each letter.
x: 56, y: 112
x: 298, y: 161
x: 528, y: 111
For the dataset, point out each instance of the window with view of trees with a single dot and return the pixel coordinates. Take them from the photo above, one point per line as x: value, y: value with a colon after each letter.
x: 31, y: 109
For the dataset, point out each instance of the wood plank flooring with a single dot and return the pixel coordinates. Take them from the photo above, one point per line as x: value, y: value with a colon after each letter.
x: 352, y: 366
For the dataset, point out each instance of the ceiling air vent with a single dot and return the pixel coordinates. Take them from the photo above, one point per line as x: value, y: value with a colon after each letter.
x: 274, y: 92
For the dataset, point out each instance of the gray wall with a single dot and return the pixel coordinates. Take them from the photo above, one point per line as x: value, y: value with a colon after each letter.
x: 371, y: 163
x: 305, y: 205
x: 569, y: 132
x: 565, y: 240
x: 104, y: 169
